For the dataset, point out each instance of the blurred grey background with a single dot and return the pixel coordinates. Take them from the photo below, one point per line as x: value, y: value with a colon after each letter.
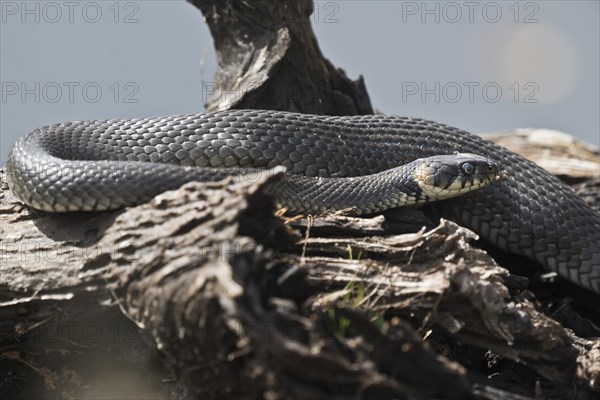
x: 481, y: 66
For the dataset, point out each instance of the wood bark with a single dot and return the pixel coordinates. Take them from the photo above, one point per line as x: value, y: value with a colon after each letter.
x: 205, y: 292
x: 268, y: 58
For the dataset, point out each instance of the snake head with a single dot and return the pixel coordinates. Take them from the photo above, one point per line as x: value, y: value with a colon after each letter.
x: 446, y: 176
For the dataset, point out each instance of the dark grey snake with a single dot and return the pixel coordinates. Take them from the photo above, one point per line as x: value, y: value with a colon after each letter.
x: 95, y: 165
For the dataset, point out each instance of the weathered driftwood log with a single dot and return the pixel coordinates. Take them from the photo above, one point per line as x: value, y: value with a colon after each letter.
x: 204, y: 292
x: 559, y: 153
x: 241, y: 302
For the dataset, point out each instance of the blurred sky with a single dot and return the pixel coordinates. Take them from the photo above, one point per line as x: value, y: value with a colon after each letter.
x: 481, y: 66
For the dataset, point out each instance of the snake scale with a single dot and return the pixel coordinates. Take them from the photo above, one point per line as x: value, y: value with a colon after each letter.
x: 530, y: 213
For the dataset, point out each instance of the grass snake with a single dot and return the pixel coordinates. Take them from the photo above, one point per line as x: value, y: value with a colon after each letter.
x: 95, y: 165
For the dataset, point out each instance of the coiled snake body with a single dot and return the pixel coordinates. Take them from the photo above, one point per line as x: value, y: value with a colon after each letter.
x: 530, y: 213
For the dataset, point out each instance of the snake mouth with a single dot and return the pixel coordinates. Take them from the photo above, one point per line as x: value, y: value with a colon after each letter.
x: 501, y: 175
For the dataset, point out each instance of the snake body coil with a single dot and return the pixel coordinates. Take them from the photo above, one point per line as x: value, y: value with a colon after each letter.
x: 530, y: 213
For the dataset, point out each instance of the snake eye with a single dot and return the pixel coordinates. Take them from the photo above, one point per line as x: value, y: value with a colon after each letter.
x: 468, y: 168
